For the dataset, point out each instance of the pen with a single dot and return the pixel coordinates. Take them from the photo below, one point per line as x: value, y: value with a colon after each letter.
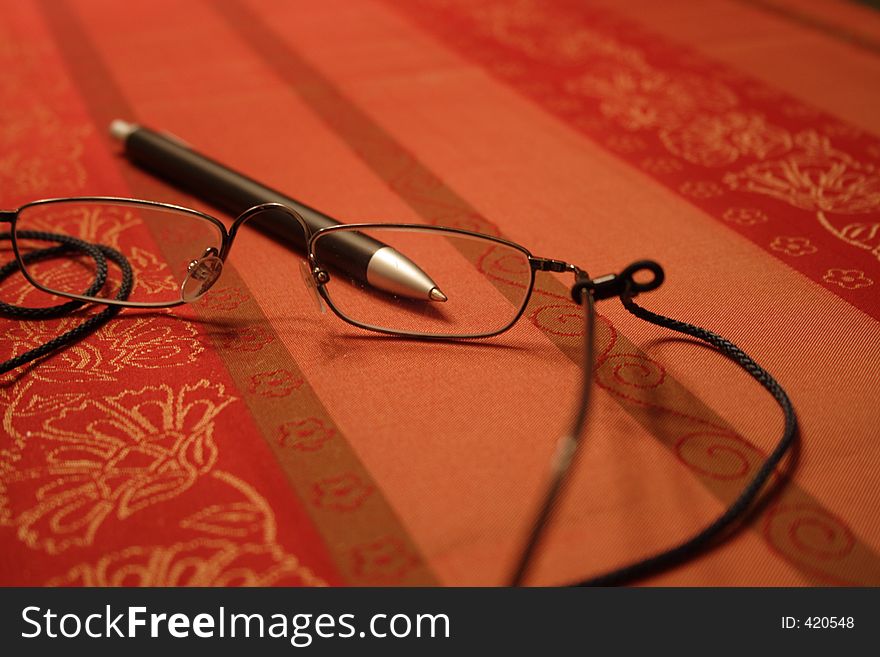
x: 358, y: 255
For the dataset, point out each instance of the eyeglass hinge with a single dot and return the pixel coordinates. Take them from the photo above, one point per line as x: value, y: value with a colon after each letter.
x: 615, y: 285
x: 548, y: 264
x: 7, y: 216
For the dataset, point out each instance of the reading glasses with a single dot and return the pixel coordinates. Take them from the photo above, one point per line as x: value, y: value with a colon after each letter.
x: 479, y: 284
x: 459, y: 285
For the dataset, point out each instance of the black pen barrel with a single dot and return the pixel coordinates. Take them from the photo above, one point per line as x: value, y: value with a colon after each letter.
x: 233, y: 192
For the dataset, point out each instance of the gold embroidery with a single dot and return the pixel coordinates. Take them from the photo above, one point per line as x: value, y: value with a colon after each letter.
x: 201, y: 562
x: 793, y: 246
x: 818, y: 178
x: 234, y: 520
x: 142, y: 342
x: 745, y: 216
x: 102, y: 224
x: 524, y: 25
x: 716, y: 141
x: 151, y: 273
x: 93, y: 223
x: 640, y: 100
x: 701, y: 189
x: 53, y: 152
x: 237, y: 546
x: 849, y: 279
x: 142, y: 447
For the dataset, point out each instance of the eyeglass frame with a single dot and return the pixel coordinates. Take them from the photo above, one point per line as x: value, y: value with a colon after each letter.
x: 322, y: 277
x: 584, y: 292
x: 319, y: 275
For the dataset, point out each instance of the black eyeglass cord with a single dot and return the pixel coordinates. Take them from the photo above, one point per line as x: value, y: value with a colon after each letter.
x: 624, y: 286
x: 66, y: 244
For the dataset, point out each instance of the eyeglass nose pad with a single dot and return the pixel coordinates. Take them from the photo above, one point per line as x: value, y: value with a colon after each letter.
x: 309, y: 280
x: 200, y: 276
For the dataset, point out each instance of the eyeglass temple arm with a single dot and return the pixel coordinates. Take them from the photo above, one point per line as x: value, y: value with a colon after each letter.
x: 607, y: 286
x: 585, y: 291
x: 548, y: 264
x: 7, y: 216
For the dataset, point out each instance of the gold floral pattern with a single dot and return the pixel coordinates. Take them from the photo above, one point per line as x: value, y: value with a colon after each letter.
x: 745, y: 216
x: 93, y: 223
x: 819, y: 178
x: 235, y: 544
x: 141, y: 342
x: 202, y: 562
x: 850, y: 279
x: 717, y: 140
x: 152, y: 274
x: 132, y: 450
x: 224, y: 298
x: 237, y: 519
x: 522, y: 24
x: 701, y: 189
x: 793, y: 246
x: 53, y: 160
x: 815, y: 177
x: 639, y: 100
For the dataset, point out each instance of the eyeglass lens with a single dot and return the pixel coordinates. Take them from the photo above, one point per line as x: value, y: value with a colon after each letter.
x: 485, y: 283
x: 172, y: 252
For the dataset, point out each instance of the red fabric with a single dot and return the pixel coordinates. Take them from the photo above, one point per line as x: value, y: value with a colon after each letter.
x: 247, y: 440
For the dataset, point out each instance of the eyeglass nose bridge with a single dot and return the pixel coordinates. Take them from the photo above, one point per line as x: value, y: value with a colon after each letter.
x: 201, y: 274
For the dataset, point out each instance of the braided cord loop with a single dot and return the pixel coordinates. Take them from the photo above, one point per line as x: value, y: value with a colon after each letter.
x: 66, y: 245
x: 735, y: 512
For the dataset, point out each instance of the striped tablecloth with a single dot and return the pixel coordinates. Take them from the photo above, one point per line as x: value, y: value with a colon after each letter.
x: 249, y: 440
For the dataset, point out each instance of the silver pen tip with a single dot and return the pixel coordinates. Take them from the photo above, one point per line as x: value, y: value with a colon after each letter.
x: 120, y: 129
x: 436, y: 295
